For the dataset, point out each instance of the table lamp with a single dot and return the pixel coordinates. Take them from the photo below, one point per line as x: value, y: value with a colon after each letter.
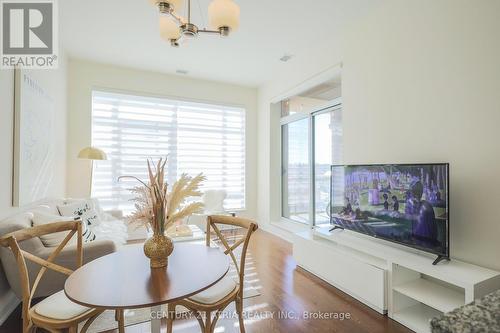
x: 93, y: 154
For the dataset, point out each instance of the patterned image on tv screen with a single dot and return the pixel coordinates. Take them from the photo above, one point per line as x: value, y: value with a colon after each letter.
x: 403, y: 203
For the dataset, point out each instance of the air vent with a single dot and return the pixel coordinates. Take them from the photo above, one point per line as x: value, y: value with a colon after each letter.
x: 182, y: 71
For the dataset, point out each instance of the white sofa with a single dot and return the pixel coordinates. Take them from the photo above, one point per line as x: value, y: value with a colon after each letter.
x: 111, y: 234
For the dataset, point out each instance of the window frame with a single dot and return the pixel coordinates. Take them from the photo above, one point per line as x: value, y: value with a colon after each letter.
x: 332, y: 106
x: 142, y: 94
x: 286, y: 121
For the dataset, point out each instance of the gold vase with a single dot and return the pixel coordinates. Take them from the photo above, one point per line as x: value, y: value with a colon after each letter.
x: 157, y: 249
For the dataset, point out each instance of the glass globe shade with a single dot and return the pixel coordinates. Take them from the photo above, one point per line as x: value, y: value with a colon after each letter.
x: 223, y: 13
x: 168, y: 28
x: 186, y: 38
x: 177, y: 4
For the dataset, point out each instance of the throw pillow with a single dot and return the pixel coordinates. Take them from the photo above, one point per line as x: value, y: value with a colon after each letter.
x: 54, y: 239
x: 84, y: 209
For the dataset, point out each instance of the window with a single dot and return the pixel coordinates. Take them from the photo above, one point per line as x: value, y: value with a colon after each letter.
x: 196, y: 137
x: 310, y: 144
x: 296, y: 170
x: 311, y: 141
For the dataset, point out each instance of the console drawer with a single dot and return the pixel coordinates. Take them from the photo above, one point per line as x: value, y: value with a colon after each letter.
x: 361, y: 280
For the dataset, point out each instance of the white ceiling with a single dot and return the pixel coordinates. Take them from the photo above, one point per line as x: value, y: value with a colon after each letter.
x: 125, y: 32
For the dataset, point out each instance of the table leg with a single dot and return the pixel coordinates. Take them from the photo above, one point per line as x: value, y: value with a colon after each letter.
x: 120, y: 319
x: 156, y: 319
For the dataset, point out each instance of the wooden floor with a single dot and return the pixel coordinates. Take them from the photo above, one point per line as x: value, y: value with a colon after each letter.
x: 286, y: 290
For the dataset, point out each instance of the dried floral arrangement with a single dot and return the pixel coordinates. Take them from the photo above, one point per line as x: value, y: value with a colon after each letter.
x: 156, y: 207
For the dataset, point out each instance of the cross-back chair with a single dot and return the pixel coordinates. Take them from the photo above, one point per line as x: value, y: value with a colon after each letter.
x: 55, y: 312
x: 218, y: 297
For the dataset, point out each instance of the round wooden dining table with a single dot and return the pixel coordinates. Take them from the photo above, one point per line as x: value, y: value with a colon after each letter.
x: 124, y: 279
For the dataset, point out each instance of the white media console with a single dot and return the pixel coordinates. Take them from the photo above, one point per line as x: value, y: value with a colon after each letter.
x: 391, y: 279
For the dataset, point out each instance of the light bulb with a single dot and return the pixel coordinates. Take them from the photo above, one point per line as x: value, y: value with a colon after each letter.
x: 168, y: 28
x: 224, y: 13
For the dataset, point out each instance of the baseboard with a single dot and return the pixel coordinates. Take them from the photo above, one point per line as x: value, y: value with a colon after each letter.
x: 8, y: 303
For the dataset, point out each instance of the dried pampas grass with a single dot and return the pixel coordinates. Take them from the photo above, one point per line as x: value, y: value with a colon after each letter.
x: 158, y: 209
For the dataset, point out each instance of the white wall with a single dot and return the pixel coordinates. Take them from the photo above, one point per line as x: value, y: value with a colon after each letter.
x: 7, y: 140
x: 85, y: 76
x: 54, y: 82
x: 420, y: 83
x: 6, y: 150
x: 428, y: 92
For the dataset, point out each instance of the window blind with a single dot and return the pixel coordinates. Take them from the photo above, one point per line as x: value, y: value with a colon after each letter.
x: 196, y: 137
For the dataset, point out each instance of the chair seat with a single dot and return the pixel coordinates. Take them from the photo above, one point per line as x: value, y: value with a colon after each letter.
x: 58, y: 306
x: 216, y: 292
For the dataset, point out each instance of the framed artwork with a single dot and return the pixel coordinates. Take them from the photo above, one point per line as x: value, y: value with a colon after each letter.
x: 33, y: 140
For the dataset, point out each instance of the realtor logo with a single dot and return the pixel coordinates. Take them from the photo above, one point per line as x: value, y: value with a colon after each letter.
x: 29, y: 34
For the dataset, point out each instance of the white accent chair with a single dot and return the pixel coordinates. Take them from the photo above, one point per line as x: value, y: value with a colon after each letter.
x: 213, y: 201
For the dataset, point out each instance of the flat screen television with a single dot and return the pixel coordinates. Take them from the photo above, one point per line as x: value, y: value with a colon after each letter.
x: 403, y: 203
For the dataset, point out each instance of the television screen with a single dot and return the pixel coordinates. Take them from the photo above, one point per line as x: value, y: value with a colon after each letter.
x: 403, y: 203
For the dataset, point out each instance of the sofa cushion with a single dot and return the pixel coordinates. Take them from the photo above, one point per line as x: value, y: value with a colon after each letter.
x: 58, y: 306
x: 52, y: 281
x: 15, y: 222
x: 54, y: 239
x: 46, y: 208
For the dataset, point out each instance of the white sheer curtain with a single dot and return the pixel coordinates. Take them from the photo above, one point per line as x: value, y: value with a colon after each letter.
x: 196, y: 137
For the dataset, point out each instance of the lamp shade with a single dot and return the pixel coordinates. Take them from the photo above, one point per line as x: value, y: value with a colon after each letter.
x: 168, y: 28
x: 91, y: 153
x: 174, y: 3
x: 223, y: 13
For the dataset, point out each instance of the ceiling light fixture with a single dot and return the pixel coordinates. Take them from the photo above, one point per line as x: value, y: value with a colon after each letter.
x: 223, y: 18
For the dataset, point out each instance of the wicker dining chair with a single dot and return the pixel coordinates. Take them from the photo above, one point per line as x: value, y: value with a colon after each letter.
x: 218, y: 297
x: 56, y: 312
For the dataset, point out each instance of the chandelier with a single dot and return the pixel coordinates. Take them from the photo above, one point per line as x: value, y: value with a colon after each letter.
x: 223, y: 18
